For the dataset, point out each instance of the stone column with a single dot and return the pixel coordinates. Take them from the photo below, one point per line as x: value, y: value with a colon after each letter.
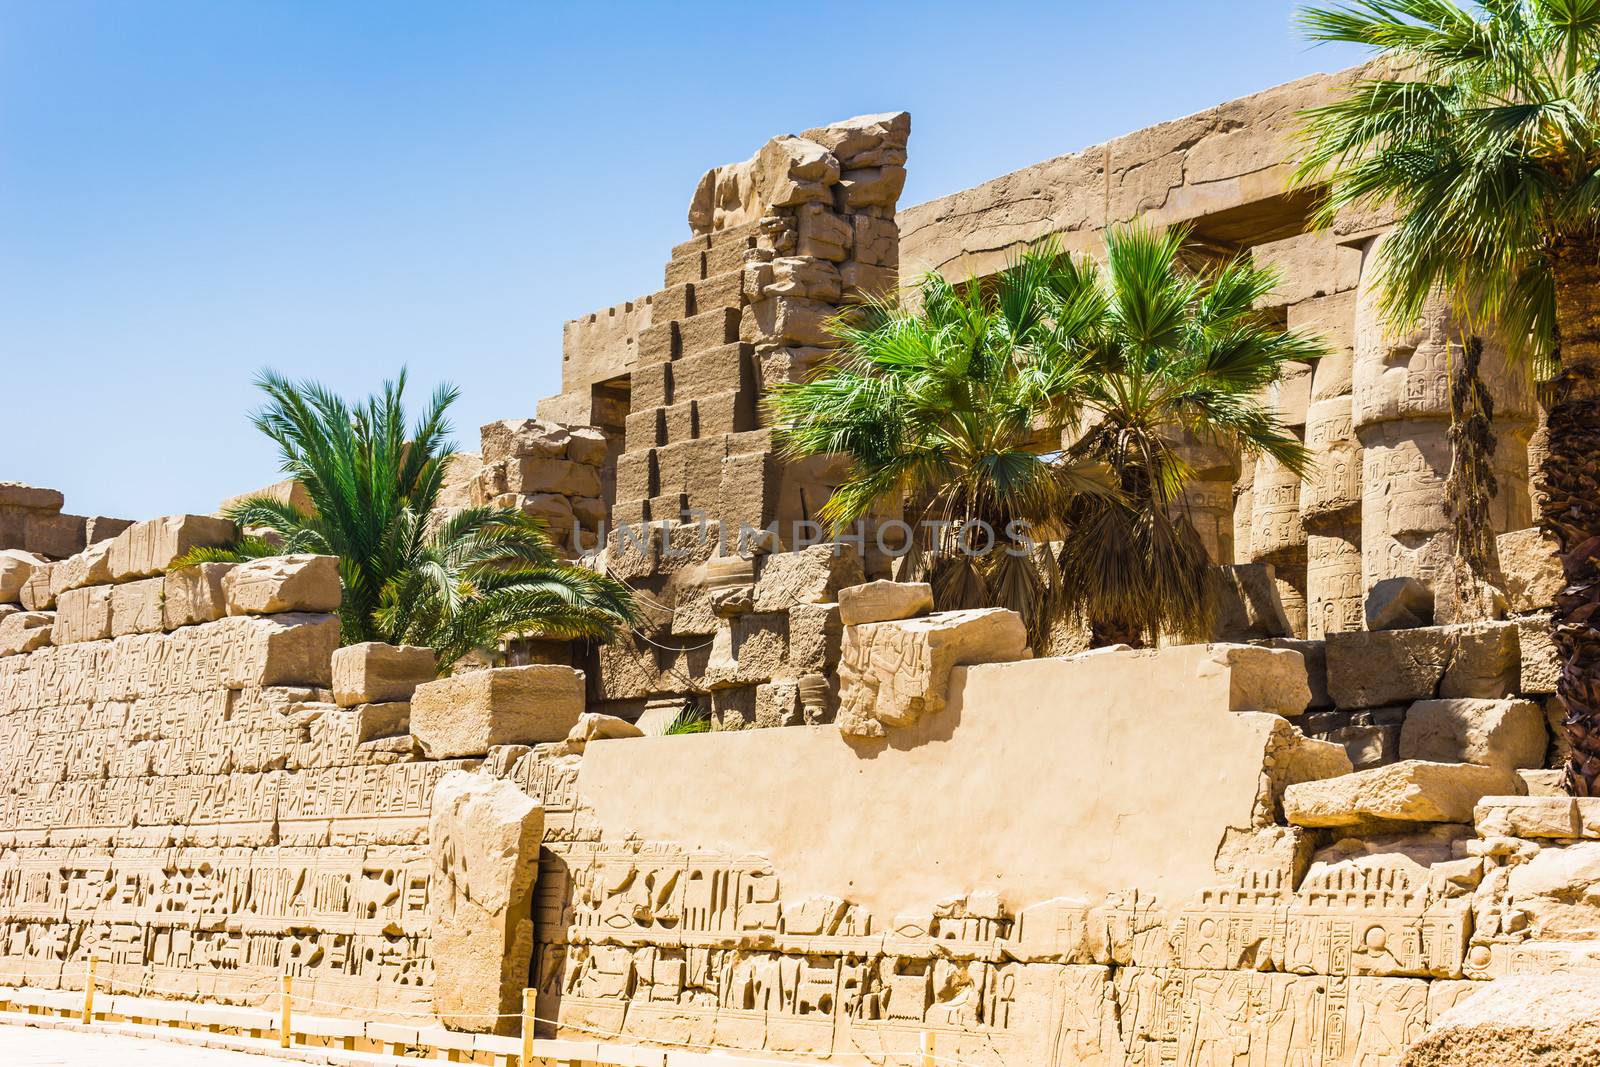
x: 1208, y: 498
x: 1278, y: 535
x: 1330, y: 494
x: 1401, y: 415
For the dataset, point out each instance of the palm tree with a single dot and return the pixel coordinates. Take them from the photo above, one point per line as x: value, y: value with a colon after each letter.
x: 1483, y: 137
x: 944, y: 405
x: 454, y: 585
x: 1173, y: 351
x: 950, y: 404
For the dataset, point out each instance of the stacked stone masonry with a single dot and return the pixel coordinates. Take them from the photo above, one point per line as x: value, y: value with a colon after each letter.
x: 1305, y: 843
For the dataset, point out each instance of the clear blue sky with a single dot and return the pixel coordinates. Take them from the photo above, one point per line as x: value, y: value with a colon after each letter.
x: 191, y: 191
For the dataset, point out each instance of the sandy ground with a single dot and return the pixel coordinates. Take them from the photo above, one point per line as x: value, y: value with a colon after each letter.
x: 27, y: 1046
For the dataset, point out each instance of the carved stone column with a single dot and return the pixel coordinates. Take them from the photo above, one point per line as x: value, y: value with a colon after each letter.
x: 1401, y: 415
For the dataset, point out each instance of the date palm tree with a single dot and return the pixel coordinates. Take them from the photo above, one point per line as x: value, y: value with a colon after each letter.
x: 943, y: 405
x: 455, y: 585
x: 1174, y: 351
x: 1482, y: 134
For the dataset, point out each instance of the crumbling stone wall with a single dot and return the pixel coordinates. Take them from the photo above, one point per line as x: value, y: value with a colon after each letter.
x: 181, y: 795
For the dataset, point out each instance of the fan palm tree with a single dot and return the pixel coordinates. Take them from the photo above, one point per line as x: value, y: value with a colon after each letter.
x: 1483, y: 137
x: 943, y: 406
x: 453, y: 585
x: 946, y: 404
x: 1173, y: 351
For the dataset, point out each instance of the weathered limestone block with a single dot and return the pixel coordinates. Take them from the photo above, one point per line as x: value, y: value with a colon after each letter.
x: 1529, y: 816
x: 483, y: 841
x: 810, y: 576
x: 277, y: 584
x: 815, y: 633
x: 193, y: 595
x: 15, y: 566
x: 884, y: 601
x: 388, y: 719
x: 1484, y: 662
x: 24, y: 631
x: 1543, y: 782
x: 466, y: 714
x: 294, y: 649
x: 1558, y: 891
x: 1369, y: 670
x: 92, y: 566
x: 82, y: 614
x: 1260, y: 679
x: 1498, y: 733
x: 149, y: 547
x: 1399, y: 604
x: 1530, y: 570
x: 374, y: 672
x: 597, y: 726
x: 136, y: 607
x: 894, y: 673
x: 1409, y: 791
x: 1370, y: 745
x: 35, y: 594
x: 1540, y: 661
x: 866, y: 140
x: 512, y: 438
x: 1537, y: 1020
x: 1249, y: 606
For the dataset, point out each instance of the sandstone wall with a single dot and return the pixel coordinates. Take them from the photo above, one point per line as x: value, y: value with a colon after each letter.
x: 181, y: 796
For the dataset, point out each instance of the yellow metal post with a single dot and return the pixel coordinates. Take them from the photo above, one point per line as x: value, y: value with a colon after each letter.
x: 88, y: 989
x: 927, y: 1049
x: 529, y: 999
x: 283, y: 1010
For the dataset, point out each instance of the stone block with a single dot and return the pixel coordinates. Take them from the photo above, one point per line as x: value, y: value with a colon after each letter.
x: 748, y: 490
x: 891, y: 674
x: 24, y: 631
x: 1543, y: 782
x: 1518, y: 816
x: 1530, y: 570
x: 658, y: 343
x: 810, y: 576
x: 293, y: 649
x: 1367, y: 670
x: 1248, y: 604
x: 1260, y: 679
x: 15, y: 566
x: 1498, y: 733
x: 778, y: 704
x: 863, y: 280
x: 374, y: 672
x: 82, y: 615
x: 636, y: 475
x: 1399, y: 604
x: 722, y: 369
x: 785, y: 320
x: 644, y: 429
x: 276, y: 584
x: 563, y: 476
x: 92, y: 566
x: 816, y: 632
x: 597, y: 726
x: 1484, y: 662
x: 718, y: 291
x: 484, y: 837
x: 30, y: 497
x: 136, y: 607
x: 707, y: 330
x: 375, y: 721
x: 1369, y: 745
x: 35, y: 594
x: 652, y: 385
x: 148, y: 548
x: 725, y: 413
x: 884, y: 601
x: 1409, y: 791
x: 466, y: 714
x: 54, y: 535
x: 674, y: 302
x: 1315, y: 655
x: 194, y: 595
x: 870, y: 186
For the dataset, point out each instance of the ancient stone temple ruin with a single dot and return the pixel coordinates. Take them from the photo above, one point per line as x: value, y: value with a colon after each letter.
x: 1329, y: 836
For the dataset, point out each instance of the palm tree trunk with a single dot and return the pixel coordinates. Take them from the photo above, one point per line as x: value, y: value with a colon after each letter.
x: 1571, y: 474
x: 1103, y: 632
